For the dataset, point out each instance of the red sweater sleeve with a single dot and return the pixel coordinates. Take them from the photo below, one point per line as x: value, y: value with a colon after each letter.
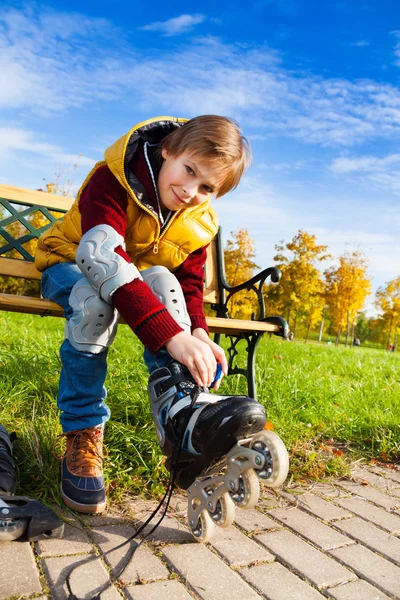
x: 104, y: 201
x: 191, y: 277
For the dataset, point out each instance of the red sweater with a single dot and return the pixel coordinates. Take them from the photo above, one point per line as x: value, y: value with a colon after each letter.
x: 104, y: 201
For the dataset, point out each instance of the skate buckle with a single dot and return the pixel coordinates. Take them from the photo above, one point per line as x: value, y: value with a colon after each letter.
x: 20, y: 515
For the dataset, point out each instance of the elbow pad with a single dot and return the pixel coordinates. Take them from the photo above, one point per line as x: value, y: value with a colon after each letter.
x: 168, y: 290
x: 101, y: 265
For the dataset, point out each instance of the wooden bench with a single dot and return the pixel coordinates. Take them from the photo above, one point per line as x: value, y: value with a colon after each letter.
x: 26, y: 214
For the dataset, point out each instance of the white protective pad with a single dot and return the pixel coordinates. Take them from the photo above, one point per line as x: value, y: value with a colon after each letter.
x: 93, y: 324
x: 101, y: 265
x: 167, y: 288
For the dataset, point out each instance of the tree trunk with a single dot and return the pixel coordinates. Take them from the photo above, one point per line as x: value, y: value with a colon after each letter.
x: 321, y: 329
x: 390, y: 333
x: 308, y: 331
x: 294, y: 326
x: 338, y: 335
x: 347, y: 329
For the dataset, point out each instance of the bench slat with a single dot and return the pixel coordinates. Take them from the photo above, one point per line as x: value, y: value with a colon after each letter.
x: 13, y: 267
x: 31, y: 197
x: 47, y: 308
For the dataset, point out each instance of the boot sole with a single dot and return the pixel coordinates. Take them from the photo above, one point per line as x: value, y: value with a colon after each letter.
x: 89, y: 509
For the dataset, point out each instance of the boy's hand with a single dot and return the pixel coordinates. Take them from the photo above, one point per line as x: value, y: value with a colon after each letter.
x: 217, y: 351
x: 196, y: 355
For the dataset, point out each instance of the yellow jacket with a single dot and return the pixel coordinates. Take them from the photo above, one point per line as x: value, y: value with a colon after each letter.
x: 187, y: 230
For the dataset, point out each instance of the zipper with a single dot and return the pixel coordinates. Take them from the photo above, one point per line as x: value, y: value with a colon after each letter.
x: 164, y: 231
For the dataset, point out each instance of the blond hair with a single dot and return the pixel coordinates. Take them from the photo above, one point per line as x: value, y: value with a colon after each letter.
x: 217, y: 140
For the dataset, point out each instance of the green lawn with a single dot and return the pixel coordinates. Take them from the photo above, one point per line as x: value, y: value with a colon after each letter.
x: 330, y: 405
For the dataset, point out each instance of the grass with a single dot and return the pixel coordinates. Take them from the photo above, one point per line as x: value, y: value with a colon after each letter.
x: 330, y: 405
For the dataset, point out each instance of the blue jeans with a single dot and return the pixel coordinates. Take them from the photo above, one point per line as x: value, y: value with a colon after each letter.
x: 81, y: 393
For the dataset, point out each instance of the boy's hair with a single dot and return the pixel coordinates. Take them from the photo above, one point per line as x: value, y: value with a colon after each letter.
x: 214, y: 139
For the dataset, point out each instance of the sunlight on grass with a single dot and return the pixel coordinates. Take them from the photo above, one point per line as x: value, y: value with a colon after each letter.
x: 330, y: 406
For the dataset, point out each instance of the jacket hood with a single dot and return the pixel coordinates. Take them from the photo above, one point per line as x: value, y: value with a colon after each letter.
x: 119, y: 155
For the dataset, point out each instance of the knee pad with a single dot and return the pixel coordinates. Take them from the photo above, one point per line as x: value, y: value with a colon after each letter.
x: 168, y: 290
x: 93, y: 323
x: 100, y: 264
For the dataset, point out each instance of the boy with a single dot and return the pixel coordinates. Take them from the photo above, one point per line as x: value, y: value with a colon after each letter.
x: 134, y: 244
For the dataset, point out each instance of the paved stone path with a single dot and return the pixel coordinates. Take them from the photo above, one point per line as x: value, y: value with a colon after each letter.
x: 336, y: 540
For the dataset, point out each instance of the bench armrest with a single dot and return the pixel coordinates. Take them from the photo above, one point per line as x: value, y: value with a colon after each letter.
x: 254, y: 284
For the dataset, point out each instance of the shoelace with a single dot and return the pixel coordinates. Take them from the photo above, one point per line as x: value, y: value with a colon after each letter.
x: 85, y: 454
x: 166, y: 498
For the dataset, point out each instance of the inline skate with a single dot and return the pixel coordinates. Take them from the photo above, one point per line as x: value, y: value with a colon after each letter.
x: 19, y: 515
x: 215, y: 448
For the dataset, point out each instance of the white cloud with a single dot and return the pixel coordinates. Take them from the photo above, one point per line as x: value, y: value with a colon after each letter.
x: 175, y: 26
x: 396, y: 33
x: 382, y: 174
x: 19, y: 140
x: 360, y: 43
x: 52, y: 66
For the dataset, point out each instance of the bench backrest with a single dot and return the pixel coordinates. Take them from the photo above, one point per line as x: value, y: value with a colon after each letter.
x: 26, y: 214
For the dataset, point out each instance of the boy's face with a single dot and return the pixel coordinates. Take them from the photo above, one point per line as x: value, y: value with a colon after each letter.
x: 185, y: 181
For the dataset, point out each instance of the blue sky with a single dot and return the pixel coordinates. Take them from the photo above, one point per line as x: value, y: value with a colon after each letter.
x: 314, y: 86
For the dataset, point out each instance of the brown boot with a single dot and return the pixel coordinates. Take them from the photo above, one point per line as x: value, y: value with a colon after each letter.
x: 82, y: 481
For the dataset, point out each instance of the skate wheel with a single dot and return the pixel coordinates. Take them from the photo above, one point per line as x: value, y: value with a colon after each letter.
x: 276, y: 467
x: 204, y: 529
x: 248, y: 493
x: 12, y: 529
x: 224, y: 513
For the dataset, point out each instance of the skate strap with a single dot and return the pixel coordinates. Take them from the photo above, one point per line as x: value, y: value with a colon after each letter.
x: 166, y: 384
x: 178, y: 406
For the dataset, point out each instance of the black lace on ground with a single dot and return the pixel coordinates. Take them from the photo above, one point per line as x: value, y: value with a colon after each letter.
x: 166, y: 498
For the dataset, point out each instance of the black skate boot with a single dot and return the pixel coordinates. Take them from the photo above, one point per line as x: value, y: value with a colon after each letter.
x: 8, y: 476
x: 203, y: 426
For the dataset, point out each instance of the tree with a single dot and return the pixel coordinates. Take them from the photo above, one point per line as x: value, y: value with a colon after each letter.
x: 388, y: 302
x: 363, y: 327
x: 239, y: 267
x: 300, y: 294
x: 348, y: 285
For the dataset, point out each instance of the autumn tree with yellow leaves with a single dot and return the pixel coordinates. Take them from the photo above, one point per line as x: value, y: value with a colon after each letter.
x: 387, y: 300
x: 299, y: 297
x: 347, y: 287
x: 239, y: 257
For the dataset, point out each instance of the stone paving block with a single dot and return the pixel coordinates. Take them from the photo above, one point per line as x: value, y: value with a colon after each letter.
x: 306, y: 560
x: 393, y: 474
x: 142, y: 566
x: 167, y: 590
x: 206, y: 574
x: 313, y: 530
x: 86, y: 581
x: 372, y: 537
x: 254, y: 520
x: 356, y: 590
x: 395, y: 494
x: 269, y: 499
x: 324, y: 509
x: 330, y: 490
x: 19, y: 575
x: 237, y: 549
x: 275, y: 582
x: 107, y: 518
x: 371, y: 494
x: 169, y: 531
x: 74, y: 541
x: 375, y: 480
x: 370, y: 512
x: 376, y: 570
